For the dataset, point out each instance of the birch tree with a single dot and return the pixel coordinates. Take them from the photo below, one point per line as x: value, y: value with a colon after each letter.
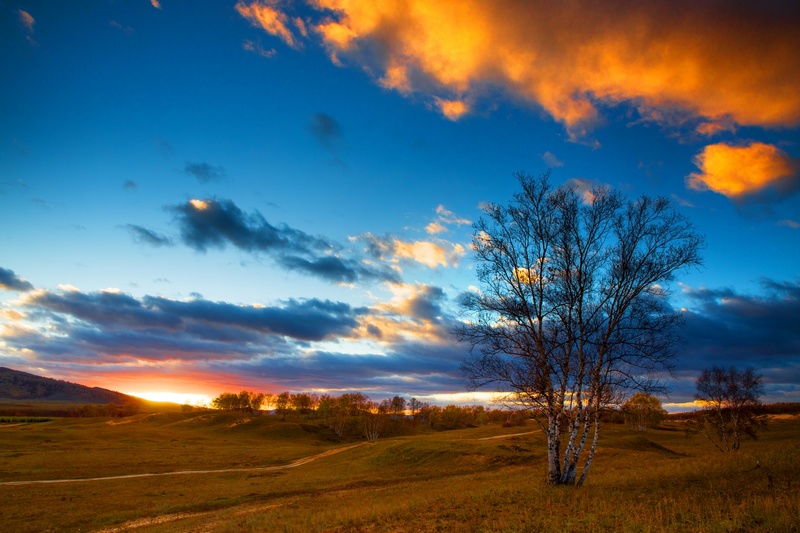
x: 572, y: 311
x: 729, y: 397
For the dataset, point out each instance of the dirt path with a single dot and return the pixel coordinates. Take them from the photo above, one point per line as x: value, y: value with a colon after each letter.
x: 509, y: 436
x: 299, y: 462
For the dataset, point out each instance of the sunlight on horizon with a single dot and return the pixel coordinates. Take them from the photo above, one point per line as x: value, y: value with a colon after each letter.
x: 174, y: 397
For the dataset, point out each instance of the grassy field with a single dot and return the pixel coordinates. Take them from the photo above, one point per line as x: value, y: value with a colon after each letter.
x: 660, y: 480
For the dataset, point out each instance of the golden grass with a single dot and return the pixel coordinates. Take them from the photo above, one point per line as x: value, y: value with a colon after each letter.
x: 658, y: 481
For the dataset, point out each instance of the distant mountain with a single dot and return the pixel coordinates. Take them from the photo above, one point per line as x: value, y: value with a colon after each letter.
x: 16, y: 385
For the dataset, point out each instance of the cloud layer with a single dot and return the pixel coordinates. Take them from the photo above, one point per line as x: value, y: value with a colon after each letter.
x: 716, y: 61
x: 724, y: 327
x: 298, y: 344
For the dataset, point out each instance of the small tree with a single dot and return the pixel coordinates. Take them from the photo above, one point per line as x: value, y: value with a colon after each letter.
x: 643, y: 411
x: 729, y: 398
x: 572, y: 309
x: 414, y: 405
x: 282, y: 404
x: 397, y: 406
x: 372, y: 420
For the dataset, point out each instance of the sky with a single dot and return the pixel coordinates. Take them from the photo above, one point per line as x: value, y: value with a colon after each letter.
x: 279, y: 195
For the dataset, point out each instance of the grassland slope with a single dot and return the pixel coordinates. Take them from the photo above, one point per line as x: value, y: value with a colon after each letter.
x: 16, y: 385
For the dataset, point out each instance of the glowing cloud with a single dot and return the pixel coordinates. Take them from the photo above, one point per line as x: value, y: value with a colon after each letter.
x: 583, y: 187
x: 444, y: 217
x: 270, y: 19
x: 200, y: 205
x: 413, y: 313
x: 26, y: 20
x: 570, y: 57
x: 155, y: 3
x: 452, y: 109
x: 737, y: 171
x: 428, y: 253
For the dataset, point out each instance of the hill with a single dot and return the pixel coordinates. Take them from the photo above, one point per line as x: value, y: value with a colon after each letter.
x: 21, y: 386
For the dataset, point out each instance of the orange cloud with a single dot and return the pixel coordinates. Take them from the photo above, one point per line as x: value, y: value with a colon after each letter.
x: 737, y: 171
x: 790, y: 223
x: 256, y: 48
x: 452, y: 109
x: 412, y: 314
x: 444, y: 217
x: 26, y: 19
x: 155, y: 3
x: 712, y: 128
x: 271, y: 20
x: 583, y: 187
x: 428, y: 253
x: 720, y: 62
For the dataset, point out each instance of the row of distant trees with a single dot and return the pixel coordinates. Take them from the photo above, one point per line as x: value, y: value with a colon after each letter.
x: 729, y: 397
x: 357, y: 413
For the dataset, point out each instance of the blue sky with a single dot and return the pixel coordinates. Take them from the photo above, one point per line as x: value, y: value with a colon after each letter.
x: 337, y: 153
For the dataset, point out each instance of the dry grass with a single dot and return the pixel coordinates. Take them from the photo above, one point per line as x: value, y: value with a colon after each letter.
x: 658, y: 481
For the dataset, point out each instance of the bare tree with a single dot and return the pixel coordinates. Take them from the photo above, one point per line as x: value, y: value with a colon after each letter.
x: 372, y: 420
x: 414, y: 406
x: 728, y: 397
x: 573, y: 308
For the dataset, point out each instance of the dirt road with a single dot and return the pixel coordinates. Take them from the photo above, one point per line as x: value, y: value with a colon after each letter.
x: 294, y: 464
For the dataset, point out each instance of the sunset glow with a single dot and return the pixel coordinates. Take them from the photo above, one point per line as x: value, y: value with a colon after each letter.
x: 199, y: 400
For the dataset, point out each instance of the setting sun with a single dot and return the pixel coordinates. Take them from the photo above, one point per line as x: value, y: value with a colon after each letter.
x: 200, y: 400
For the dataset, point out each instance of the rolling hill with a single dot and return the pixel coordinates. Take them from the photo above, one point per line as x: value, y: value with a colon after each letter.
x: 22, y: 386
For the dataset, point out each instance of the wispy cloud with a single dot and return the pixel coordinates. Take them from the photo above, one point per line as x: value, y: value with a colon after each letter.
x: 127, y: 30
x: 147, y: 236
x: 270, y: 19
x: 26, y: 19
x: 204, y: 172
x: 256, y: 48
x: 583, y: 187
x: 325, y: 129
x: 444, y: 219
x: 551, y: 160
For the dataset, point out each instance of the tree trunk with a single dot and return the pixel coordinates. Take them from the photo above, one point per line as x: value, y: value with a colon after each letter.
x: 553, y: 446
x: 592, y: 450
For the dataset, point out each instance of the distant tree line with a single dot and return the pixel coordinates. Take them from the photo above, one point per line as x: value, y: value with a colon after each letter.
x: 71, y: 410
x: 354, y: 414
